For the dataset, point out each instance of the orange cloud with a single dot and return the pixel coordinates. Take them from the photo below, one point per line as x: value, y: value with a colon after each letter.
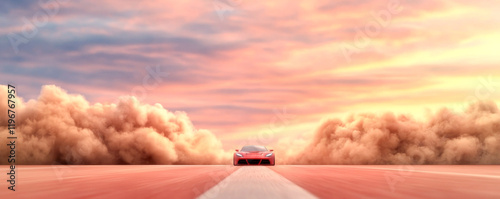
x: 446, y: 137
x: 60, y: 128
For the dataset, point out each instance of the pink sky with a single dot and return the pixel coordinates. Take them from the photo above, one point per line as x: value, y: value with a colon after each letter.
x: 239, y: 68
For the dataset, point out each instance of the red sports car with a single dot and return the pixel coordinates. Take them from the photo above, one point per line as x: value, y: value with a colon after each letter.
x: 253, y: 155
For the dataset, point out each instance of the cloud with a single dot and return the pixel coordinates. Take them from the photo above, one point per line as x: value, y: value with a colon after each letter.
x: 61, y: 128
x: 446, y: 137
x: 294, y: 51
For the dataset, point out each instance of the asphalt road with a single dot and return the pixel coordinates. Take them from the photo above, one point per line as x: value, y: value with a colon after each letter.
x: 221, y: 181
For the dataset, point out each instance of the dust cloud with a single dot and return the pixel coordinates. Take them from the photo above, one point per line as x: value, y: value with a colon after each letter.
x: 61, y: 128
x: 445, y: 137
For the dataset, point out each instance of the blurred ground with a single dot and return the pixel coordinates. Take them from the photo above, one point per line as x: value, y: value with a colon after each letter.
x: 283, y: 181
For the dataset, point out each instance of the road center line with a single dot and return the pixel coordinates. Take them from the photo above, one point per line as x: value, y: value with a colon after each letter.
x: 256, y: 182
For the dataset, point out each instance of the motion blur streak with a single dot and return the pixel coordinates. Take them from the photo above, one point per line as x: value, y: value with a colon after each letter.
x: 59, y: 128
x: 447, y: 137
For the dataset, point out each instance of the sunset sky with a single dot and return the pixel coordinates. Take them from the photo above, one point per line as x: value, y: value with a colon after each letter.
x: 240, y: 67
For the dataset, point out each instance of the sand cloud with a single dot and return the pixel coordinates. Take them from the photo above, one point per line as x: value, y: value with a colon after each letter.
x: 60, y: 128
x: 446, y: 137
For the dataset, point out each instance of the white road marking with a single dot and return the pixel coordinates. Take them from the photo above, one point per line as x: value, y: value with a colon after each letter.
x: 256, y: 182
